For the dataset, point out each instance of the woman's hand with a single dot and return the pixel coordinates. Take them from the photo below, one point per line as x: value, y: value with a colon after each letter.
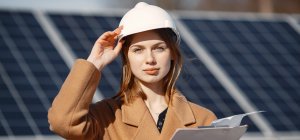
x: 103, y: 51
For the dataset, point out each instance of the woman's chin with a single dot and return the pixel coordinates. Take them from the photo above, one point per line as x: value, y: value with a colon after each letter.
x: 151, y: 80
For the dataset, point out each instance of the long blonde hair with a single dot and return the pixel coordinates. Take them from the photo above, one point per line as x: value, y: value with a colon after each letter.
x: 129, y: 87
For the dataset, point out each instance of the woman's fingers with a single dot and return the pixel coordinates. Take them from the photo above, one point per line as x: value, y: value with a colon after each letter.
x: 118, y: 48
x: 105, y: 43
x: 108, y: 38
x: 107, y: 35
x: 118, y: 30
x: 112, y: 34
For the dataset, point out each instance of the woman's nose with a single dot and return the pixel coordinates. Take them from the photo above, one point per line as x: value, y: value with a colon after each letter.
x: 150, y: 58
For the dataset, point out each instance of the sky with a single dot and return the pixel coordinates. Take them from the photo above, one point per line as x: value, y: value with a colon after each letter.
x: 64, y: 4
x: 83, y: 5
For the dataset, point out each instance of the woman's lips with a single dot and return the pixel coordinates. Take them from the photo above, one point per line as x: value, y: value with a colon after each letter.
x: 152, y: 71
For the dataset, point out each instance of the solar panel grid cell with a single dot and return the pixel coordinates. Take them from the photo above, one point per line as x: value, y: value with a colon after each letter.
x: 2, y: 131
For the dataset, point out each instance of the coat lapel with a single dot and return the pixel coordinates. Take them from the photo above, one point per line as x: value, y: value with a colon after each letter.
x: 179, y: 115
x: 137, y: 114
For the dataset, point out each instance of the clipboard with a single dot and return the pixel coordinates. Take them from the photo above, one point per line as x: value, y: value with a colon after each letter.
x: 210, y: 133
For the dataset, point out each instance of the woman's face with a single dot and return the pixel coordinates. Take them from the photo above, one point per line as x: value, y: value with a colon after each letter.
x: 149, y: 57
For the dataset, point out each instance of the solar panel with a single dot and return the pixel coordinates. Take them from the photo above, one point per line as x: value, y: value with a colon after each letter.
x: 31, y: 73
x: 262, y: 57
x: 200, y: 86
x: 81, y: 32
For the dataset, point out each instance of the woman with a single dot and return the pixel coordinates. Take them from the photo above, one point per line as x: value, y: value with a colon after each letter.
x: 148, y: 106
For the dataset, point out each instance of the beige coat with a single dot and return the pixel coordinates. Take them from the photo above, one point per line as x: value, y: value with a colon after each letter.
x: 72, y: 115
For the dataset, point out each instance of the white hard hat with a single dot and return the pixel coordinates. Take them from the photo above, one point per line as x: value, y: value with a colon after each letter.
x: 144, y: 17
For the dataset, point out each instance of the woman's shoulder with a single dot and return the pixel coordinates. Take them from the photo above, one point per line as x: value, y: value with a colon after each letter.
x: 106, y: 109
x: 202, y: 114
x: 197, y: 109
x: 108, y: 103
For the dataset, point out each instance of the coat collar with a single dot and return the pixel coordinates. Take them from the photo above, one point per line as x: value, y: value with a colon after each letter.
x: 133, y: 113
x: 182, y: 109
x: 137, y: 114
x: 179, y: 115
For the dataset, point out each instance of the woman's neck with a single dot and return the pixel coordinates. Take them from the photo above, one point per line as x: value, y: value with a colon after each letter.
x: 153, y: 91
x: 155, y: 96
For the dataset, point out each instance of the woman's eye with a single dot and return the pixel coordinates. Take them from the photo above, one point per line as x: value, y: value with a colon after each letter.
x: 137, y: 50
x: 160, y: 49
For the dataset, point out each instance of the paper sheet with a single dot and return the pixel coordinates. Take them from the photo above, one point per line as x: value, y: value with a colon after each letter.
x: 232, y: 121
x: 222, y: 129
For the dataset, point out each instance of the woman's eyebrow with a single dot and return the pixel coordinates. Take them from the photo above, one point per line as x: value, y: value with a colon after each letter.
x: 156, y: 44
x: 136, y: 45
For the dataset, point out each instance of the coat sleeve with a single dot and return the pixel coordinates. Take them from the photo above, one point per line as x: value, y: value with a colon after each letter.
x: 209, y: 118
x: 203, y: 115
x: 69, y: 115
